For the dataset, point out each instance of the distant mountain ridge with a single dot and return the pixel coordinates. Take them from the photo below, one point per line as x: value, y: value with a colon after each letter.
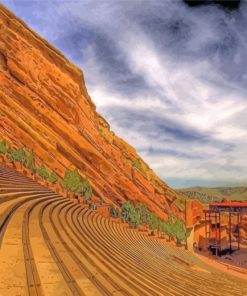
x: 214, y: 194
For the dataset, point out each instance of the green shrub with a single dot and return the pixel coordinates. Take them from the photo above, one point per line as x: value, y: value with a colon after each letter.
x: 163, y: 227
x: 10, y: 154
x: 53, y: 178
x: 3, y: 147
x: 167, y: 228
x: 134, y: 216
x: 16, y: 155
x: 66, y: 180
x: 179, y: 231
x: 140, y: 215
x: 42, y: 172
x: 153, y: 222
x: 19, y: 155
x: 174, y: 227
x: 72, y: 182
x: 136, y: 164
x: 125, y: 211
x: 143, y: 212
x: 75, y: 181
x: 29, y: 162
x: 86, y: 189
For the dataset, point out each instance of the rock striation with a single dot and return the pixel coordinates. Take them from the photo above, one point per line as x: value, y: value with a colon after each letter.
x: 45, y: 107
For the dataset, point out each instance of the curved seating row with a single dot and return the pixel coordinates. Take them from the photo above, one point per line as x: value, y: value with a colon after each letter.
x: 50, y: 245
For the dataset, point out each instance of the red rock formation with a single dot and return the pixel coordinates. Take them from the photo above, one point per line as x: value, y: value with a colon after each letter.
x: 45, y: 107
x: 243, y: 230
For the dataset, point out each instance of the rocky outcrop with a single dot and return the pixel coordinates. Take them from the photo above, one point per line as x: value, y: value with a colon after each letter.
x: 45, y: 107
x: 243, y: 230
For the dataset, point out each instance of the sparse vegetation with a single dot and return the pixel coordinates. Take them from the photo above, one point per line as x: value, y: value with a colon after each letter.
x: 3, y: 147
x: 42, y: 172
x: 179, y: 231
x: 86, y: 190
x: 140, y: 215
x: 166, y: 228
x: 74, y: 183
x: 53, y: 178
x: 125, y: 211
x: 143, y: 212
x: 10, y: 154
x: 71, y: 181
x: 29, y: 162
x: 18, y: 155
x: 153, y: 222
x: 137, y: 164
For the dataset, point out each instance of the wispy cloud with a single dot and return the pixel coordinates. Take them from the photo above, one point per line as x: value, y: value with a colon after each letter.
x: 169, y: 78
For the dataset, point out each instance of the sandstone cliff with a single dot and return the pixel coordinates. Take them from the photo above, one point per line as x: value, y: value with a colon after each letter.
x: 44, y: 106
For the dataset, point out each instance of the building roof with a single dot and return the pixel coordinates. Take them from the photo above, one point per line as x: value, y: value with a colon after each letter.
x: 230, y: 204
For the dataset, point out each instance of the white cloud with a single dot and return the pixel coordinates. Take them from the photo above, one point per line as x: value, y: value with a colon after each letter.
x: 179, y: 65
x: 206, y: 106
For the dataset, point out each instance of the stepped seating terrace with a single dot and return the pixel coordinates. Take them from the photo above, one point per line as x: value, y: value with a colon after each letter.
x: 50, y: 244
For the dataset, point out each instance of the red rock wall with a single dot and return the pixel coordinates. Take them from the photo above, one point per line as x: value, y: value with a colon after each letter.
x: 194, y: 212
x: 44, y: 106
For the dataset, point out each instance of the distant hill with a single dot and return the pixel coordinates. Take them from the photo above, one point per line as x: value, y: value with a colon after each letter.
x: 206, y: 195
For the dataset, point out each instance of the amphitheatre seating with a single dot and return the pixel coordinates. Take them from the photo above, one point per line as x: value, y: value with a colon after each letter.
x: 50, y: 245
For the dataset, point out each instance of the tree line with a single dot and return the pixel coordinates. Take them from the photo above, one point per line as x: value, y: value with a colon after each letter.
x: 140, y: 215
